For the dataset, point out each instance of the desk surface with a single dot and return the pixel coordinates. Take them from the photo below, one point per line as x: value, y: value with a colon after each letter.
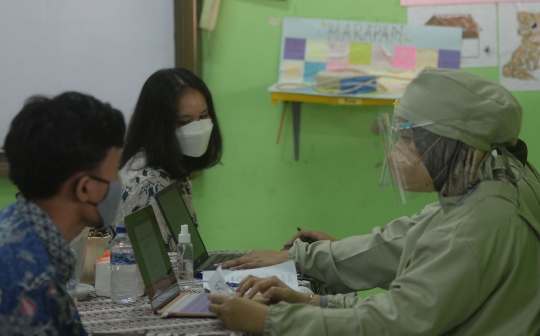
x: 101, y: 316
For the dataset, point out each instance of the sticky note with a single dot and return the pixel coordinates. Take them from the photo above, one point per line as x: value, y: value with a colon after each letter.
x: 295, y: 48
x: 291, y: 71
x: 404, y: 57
x: 449, y: 59
x: 427, y: 58
x: 336, y: 66
x: 311, y: 69
x: 360, y: 53
x: 338, y: 52
x: 316, y: 50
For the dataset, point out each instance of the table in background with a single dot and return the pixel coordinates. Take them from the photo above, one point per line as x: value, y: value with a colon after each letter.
x: 297, y: 99
x: 101, y: 316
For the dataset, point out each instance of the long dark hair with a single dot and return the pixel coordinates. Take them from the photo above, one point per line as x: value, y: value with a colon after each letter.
x: 152, y: 126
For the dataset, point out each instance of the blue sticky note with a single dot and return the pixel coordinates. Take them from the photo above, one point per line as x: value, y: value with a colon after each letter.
x: 311, y: 69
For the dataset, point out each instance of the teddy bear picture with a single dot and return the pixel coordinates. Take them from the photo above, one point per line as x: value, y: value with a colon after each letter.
x: 525, y: 58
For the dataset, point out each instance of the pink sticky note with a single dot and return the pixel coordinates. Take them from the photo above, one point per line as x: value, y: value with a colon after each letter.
x: 404, y: 57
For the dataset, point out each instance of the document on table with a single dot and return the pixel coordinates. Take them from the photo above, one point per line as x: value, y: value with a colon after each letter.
x: 217, y: 283
x: 285, y: 272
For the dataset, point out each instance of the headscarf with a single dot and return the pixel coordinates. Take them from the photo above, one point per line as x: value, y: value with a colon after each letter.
x: 471, y: 117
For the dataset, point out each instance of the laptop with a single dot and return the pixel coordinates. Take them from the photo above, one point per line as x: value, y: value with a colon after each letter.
x: 175, y: 212
x: 156, y: 269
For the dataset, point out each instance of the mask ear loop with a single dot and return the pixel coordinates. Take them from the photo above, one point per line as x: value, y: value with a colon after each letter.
x: 430, y: 148
x: 508, y: 170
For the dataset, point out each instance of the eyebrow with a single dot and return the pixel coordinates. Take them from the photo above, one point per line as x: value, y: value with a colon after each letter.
x: 187, y: 116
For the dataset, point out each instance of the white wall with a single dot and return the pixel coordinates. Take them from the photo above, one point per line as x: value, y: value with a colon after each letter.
x: 106, y: 48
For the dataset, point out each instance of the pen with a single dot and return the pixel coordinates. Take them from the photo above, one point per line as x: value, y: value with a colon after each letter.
x: 307, y: 240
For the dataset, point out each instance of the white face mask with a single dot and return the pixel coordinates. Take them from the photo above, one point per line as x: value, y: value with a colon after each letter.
x: 194, y: 137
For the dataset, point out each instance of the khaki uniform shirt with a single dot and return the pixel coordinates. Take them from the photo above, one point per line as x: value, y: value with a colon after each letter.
x: 467, y: 266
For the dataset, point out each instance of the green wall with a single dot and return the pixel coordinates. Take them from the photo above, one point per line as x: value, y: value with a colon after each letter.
x: 258, y: 197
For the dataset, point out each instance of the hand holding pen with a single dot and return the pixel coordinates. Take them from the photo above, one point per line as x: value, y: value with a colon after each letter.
x: 309, y: 237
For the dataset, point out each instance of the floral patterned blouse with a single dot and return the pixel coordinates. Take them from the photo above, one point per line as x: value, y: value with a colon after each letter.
x: 35, y: 265
x: 140, y: 184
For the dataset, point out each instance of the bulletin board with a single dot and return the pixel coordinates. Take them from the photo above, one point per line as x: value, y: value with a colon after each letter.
x: 394, y: 53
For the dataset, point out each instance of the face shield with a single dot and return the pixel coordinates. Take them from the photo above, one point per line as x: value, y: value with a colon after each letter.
x: 403, y: 169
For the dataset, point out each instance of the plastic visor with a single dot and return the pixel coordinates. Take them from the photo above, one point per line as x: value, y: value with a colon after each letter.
x: 403, y: 171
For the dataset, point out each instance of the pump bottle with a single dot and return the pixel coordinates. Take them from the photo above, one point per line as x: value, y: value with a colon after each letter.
x: 184, y: 258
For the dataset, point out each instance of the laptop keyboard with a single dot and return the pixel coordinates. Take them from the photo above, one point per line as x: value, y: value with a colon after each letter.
x: 218, y: 259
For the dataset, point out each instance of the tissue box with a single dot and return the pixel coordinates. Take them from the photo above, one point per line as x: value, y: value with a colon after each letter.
x: 103, y: 276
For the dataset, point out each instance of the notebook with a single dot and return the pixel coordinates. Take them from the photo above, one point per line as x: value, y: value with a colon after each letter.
x: 175, y: 212
x: 156, y: 269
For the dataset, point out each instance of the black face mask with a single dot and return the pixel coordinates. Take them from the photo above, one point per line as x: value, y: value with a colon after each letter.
x: 439, y: 158
x: 108, y: 206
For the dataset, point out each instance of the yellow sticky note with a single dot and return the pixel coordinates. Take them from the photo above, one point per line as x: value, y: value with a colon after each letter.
x: 426, y: 58
x: 316, y: 50
x: 360, y: 53
x: 291, y: 71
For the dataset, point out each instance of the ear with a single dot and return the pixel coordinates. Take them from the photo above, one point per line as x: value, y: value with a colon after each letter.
x: 82, y: 188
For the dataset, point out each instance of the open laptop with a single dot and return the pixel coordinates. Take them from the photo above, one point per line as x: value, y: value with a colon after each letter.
x: 175, y: 212
x: 156, y: 269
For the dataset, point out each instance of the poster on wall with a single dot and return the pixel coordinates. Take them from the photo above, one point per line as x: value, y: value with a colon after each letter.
x: 519, y: 36
x: 478, y: 23
x: 365, y: 59
x: 453, y: 2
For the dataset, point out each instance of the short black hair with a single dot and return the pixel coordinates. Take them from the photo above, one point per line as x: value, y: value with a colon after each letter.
x: 152, y: 126
x: 51, y: 139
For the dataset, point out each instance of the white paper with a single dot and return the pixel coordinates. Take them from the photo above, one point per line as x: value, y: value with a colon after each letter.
x: 285, y: 272
x: 475, y: 52
x: 519, y: 54
x: 217, y: 285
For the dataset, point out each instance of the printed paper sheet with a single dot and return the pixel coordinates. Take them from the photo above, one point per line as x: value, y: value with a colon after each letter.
x: 478, y: 24
x: 519, y: 36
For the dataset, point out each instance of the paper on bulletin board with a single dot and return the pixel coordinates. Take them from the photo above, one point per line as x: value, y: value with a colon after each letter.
x: 479, y: 25
x: 393, y: 52
x: 453, y: 2
x: 519, y: 33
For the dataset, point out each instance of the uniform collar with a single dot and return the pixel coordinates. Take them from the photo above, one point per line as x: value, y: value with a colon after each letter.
x: 482, y: 190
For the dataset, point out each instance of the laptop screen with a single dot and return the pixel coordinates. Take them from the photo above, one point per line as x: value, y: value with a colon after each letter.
x: 152, y: 258
x: 175, y: 212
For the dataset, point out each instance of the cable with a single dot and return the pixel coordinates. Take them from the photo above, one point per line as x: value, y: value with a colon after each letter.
x: 337, y: 83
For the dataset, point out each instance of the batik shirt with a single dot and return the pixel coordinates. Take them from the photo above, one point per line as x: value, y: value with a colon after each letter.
x: 35, y: 265
x: 140, y: 184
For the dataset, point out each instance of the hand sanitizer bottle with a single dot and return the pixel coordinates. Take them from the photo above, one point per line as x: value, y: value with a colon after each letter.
x: 184, y: 258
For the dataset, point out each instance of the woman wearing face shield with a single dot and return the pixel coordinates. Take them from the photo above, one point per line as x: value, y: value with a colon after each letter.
x: 174, y: 131
x: 470, y: 265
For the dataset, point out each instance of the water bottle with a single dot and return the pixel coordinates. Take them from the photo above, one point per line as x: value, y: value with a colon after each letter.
x: 184, y: 259
x: 123, y: 269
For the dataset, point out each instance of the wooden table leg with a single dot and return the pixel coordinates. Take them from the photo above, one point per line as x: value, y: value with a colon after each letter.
x: 296, y: 108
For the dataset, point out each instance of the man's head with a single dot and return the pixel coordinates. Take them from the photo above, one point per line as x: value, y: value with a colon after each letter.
x: 69, y: 147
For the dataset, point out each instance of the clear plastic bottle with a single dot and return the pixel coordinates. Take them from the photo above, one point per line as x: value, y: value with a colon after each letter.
x: 123, y: 269
x: 184, y: 259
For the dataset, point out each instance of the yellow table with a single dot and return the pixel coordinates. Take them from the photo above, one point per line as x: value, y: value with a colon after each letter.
x: 297, y: 99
